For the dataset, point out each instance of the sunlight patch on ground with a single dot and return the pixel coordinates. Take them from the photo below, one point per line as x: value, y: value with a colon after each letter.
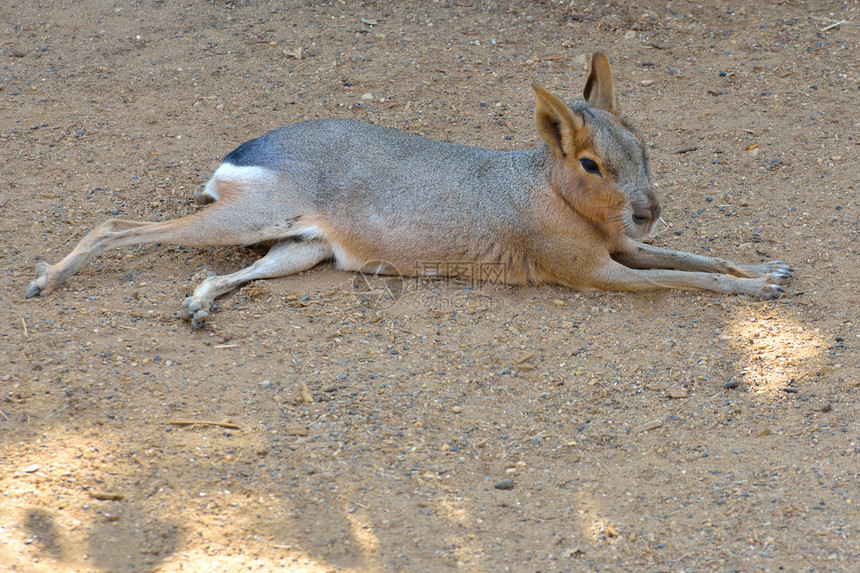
x: 57, y: 515
x: 363, y: 534
x: 34, y: 534
x: 199, y: 559
x: 469, y: 547
x: 779, y: 352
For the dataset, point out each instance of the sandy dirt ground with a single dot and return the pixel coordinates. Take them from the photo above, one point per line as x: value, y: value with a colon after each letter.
x: 449, y: 426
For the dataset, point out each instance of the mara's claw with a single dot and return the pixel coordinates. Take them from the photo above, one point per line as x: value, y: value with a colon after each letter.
x: 33, y: 290
x: 772, y: 291
x: 39, y: 285
x: 779, y: 276
x: 781, y: 267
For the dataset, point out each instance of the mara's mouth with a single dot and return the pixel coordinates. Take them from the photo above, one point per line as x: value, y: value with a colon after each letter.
x: 640, y: 221
x: 639, y: 225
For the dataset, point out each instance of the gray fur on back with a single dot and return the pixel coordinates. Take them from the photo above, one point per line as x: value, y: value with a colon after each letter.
x: 383, y: 179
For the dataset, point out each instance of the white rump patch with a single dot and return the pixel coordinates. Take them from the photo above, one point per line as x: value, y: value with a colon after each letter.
x: 239, y: 174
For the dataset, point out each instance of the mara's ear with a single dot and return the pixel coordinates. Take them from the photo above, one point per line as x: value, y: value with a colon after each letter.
x: 599, y: 90
x: 556, y: 123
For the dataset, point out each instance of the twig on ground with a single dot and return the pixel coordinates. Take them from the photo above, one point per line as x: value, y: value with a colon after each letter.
x: 525, y: 358
x: 832, y: 25
x: 205, y: 423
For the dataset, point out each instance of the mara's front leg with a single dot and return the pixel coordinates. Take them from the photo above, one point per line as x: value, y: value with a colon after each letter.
x: 641, y: 256
x: 615, y: 276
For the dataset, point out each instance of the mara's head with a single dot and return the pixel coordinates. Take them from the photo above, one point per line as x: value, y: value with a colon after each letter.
x: 599, y: 163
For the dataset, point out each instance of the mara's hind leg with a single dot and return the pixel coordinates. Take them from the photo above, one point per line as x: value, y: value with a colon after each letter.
x: 284, y: 258
x: 49, y: 277
x: 241, y: 220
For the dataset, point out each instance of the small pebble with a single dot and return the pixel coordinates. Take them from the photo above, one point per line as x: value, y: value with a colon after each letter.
x: 652, y: 425
x: 31, y: 469
x: 296, y: 430
x: 457, y: 409
x: 732, y: 383
x: 266, y: 384
x: 676, y: 393
x: 504, y: 484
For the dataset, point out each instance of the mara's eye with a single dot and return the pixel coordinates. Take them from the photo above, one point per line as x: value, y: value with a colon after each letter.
x: 590, y: 166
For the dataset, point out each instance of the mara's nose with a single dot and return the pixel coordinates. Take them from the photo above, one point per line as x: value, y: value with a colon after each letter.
x: 646, y: 213
x: 646, y: 207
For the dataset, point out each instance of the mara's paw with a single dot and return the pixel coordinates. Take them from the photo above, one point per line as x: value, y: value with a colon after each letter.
x: 195, y: 310
x: 770, y: 285
x: 40, y: 286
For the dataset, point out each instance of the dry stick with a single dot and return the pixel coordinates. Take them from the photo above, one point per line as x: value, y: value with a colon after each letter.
x: 205, y: 423
x: 525, y: 358
x: 72, y: 236
x: 24, y: 322
x: 833, y: 25
x: 58, y: 410
x: 106, y: 495
x: 4, y: 415
x: 685, y: 150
